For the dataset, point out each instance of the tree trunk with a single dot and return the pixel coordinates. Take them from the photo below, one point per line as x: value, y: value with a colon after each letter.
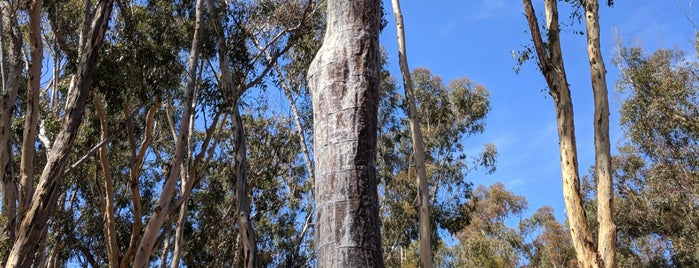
x: 606, y: 236
x: 110, y: 235
x: 31, y: 121
x: 245, y: 230
x: 418, y: 147
x: 10, y: 84
x: 344, y: 80
x: 551, y: 64
x: 150, y: 234
x: 134, y: 173
x: 32, y: 230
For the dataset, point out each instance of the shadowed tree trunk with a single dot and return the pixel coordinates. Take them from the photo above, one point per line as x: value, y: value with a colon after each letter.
x: 418, y: 145
x: 10, y: 35
x: 344, y: 80
x: 606, y: 236
x: 31, y: 121
x: 32, y: 231
x: 551, y: 65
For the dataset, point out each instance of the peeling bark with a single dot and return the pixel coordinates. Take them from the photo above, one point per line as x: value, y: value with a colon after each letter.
x: 32, y: 230
x: 606, y: 236
x: 551, y: 64
x: 344, y: 80
x: 10, y: 85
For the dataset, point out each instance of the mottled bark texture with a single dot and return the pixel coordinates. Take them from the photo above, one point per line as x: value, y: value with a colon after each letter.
x: 551, y: 64
x: 11, y: 37
x: 32, y: 231
x: 344, y: 81
x: 606, y: 234
x: 418, y: 147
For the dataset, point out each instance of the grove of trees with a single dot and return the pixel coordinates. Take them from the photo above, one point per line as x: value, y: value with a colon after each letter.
x: 270, y: 133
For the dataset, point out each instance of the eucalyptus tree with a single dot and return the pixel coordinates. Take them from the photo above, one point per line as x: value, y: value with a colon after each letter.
x: 450, y: 113
x: 550, y: 61
x: 656, y: 169
x: 344, y: 83
x: 32, y: 230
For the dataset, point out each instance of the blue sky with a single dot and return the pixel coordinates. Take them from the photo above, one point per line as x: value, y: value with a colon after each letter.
x: 475, y: 39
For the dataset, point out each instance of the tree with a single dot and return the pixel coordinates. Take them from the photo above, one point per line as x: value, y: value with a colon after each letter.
x: 450, y: 113
x: 656, y: 169
x: 550, y: 61
x: 33, y: 227
x: 418, y: 147
x: 606, y: 239
x: 344, y: 83
x: 551, y: 245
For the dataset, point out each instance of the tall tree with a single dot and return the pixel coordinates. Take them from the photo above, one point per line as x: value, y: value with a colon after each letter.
x: 11, y: 71
x: 418, y: 146
x: 344, y: 83
x: 550, y: 60
x: 32, y: 231
x: 145, y: 248
x: 606, y: 238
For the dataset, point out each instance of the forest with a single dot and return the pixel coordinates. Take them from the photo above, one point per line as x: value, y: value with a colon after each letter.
x: 280, y: 133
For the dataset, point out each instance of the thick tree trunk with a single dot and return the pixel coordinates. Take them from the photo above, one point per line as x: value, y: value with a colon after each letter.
x: 31, y: 121
x: 418, y: 147
x: 10, y: 35
x: 32, y: 230
x: 606, y: 239
x: 155, y: 223
x: 551, y: 64
x: 344, y: 80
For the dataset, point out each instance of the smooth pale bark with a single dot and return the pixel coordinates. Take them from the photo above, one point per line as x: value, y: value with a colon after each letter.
x: 245, y: 230
x: 33, y: 228
x: 161, y: 211
x: 109, y: 227
x: 344, y: 80
x: 12, y: 37
x: 551, y: 64
x: 606, y: 236
x: 418, y: 145
x: 31, y: 120
x: 134, y: 173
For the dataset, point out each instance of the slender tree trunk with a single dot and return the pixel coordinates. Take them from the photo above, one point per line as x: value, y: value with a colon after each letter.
x: 606, y: 239
x: 110, y: 234
x: 245, y: 230
x: 31, y: 122
x: 32, y: 230
x: 418, y: 147
x: 10, y: 84
x: 155, y: 223
x: 344, y: 80
x: 551, y: 64
x: 134, y: 173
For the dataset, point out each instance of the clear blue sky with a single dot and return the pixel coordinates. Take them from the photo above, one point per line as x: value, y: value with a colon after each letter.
x: 475, y: 39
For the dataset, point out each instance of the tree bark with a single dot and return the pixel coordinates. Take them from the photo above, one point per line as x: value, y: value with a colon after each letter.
x: 245, y: 230
x: 134, y: 173
x: 10, y: 85
x: 418, y: 145
x: 606, y: 236
x: 152, y: 229
x: 343, y: 80
x: 32, y: 229
x: 110, y: 234
x: 551, y: 64
x: 31, y: 121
